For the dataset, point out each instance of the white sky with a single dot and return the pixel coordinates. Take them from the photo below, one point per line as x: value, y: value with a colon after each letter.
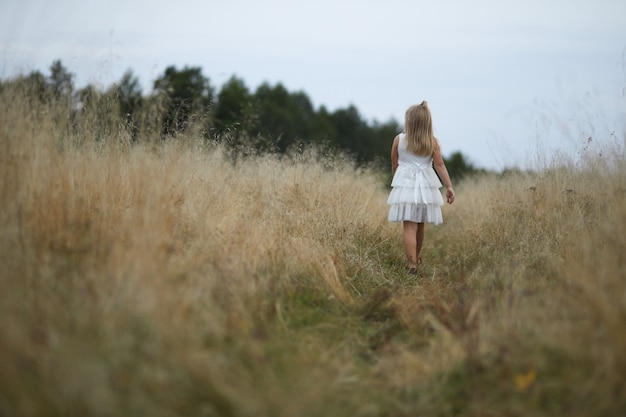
x: 504, y: 79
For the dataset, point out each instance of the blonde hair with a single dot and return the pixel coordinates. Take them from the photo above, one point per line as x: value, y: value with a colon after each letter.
x: 418, y: 126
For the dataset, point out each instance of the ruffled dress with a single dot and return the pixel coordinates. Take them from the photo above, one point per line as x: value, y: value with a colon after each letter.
x: 415, y: 194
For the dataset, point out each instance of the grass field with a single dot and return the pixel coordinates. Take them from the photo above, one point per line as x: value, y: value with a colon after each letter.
x: 175, y: 279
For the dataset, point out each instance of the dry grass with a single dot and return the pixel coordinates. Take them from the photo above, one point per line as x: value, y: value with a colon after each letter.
x: 164, y: 279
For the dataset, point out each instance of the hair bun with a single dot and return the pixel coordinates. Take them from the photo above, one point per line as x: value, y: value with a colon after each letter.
x: 425, y: 103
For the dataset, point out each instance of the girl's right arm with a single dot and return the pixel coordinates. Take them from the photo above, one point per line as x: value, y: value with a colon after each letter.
x: 442, y: 171
x: 394, y: 155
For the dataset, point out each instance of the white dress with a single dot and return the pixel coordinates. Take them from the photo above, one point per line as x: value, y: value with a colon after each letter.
x: 415, y: 194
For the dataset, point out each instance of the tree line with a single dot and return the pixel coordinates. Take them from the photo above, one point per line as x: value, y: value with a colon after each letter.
x: 268, y: 119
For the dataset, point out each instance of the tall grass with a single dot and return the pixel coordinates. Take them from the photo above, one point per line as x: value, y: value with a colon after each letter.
x: 170, y: 278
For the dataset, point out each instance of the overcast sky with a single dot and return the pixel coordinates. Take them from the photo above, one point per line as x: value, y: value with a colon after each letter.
x: 505, y: 80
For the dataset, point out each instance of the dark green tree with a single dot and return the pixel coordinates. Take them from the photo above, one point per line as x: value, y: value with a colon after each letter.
x: 129, y: 98
x: 382, y: 136
x: 61, y: 81
x: 129, y: 94
x: 459, y: 166
x: 323, y: 128
x: 187, y: 93
x: 234, y: 110
x: 283, y: 116
x: 35, y: 85
x: 87, y: 97
x: 352, y: 132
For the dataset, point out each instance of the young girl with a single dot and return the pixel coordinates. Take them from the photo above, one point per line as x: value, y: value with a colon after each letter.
x: 415, y: 198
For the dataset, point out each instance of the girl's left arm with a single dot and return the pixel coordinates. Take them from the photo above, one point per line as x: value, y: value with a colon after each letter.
x: 441, y: 169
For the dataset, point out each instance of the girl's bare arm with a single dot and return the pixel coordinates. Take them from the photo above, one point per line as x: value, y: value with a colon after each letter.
x: 442, y: 171
x: 394, y: 155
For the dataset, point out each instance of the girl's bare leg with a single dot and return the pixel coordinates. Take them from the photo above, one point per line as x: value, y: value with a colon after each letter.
x: 411, y: 231
x: 419, y: 237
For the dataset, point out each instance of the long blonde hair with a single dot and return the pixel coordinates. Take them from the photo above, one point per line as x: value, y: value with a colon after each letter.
x: 418, y: 126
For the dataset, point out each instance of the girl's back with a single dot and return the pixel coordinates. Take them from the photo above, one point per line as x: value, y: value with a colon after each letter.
x: 405, y: 157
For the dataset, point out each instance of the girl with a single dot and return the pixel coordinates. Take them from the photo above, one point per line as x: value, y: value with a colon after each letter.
x: 415, y: 198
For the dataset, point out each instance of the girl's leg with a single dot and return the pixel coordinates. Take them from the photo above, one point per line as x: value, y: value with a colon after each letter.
x: 410, y: 242
x: 419, y: 238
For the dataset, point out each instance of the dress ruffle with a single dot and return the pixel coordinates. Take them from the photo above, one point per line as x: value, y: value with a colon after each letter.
x: 415, y: 213
x: 415, y: 195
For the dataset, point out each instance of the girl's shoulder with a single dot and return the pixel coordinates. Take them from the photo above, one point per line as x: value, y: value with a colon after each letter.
x: 436, y: 145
